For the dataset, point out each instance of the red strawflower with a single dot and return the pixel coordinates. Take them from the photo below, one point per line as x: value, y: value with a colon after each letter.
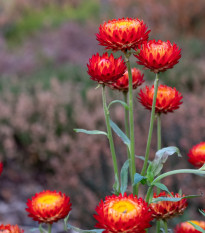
x: 186, y: 227
x: 167, y: 209
x: 158, y: 56
x: 122, y: 34
x: 123, y: 214
x: 1, y: 167
x: 168, y: 98
x: 10, y: 229
x: 122, y: 84
x: 48, y: 206
x: 197, y: 155
x: 106, y: 69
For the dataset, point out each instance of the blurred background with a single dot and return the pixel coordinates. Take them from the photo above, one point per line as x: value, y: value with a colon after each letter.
x: 45, y: 92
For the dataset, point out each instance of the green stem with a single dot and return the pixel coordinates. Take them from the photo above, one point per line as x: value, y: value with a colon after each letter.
x: 131, y: 121
x: 49, y: 228
x: 159, y: 135
x: 179, y: 171
x: 165, y: 226
x: 110, y: 138
x: 127, y: 127
x: 149, y: 192
x: 159, y: 146
x: 151, y: 125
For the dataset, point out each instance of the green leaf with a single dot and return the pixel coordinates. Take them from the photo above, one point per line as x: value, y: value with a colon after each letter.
x: 138, y: 178
x: 116, y: 186
x: 120, y: 102
x: 197, y: 227
x: 161, y: 157
x: 202, y: 212
x: 142, y: 158
x: 66, y: 221
x: 119, y: 132
x: 202, y: 168
x: 84, y: 231
x: 173, y: 199
x: 90, y: 131
x: 163, y: 187
x: 124, y: 177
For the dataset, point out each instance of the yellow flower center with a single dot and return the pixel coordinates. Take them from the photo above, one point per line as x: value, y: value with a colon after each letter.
x: 48, y: 199
x: 159, y: 49
x: 201, y: 149
x: 124, y: 206
x: 123, y: 25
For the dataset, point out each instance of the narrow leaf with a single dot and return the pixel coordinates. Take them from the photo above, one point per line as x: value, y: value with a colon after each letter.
x: 120, y: 102
x: 202, y: 212
x: 197, y: 227
x: 119, y: 132
x: 138, y: 178
x: 173, y: 199
x: 116, y: 186
x: 84, y: 231
x: 163, y: 187
x: 90, y: 131
x: 124, y: 177
x: 202, y: 168
x: 142, y: 158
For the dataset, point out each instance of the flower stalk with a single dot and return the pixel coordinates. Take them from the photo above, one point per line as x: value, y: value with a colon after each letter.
x: 131, y: 124
x: 110, y: 138
x: 49, y: 228
x: 156, y: 83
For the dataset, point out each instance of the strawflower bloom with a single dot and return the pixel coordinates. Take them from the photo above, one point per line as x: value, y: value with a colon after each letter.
x: 197, y: 155
x: 167, y: 209
x: 122, y: 84
x: 105, y: 69
x: 186, y: 227
x: 123, y: 214
x: 168, y: 98
x: 48, y: 206
x: 122, y: 34
x: 158, y: 56
x: 10, y: 229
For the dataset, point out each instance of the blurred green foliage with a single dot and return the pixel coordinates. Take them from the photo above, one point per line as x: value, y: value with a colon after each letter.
x: 51, y: 15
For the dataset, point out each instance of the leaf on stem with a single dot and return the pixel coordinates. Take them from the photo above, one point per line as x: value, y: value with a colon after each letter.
x: 90, y: 131
x: 119, y: 132
x: 120, y: 102
x: 173, y: 199
x: 202, y: 212
x: 161, y: 157
x: 124, y: 177
x: 66, y: 221
x: 163, y: 187
x: 142, y: 158
x: 138, y: 178
x: 116, y: 186
x: 84, y: 231
x: 197, y: 227
x: 202, y: 168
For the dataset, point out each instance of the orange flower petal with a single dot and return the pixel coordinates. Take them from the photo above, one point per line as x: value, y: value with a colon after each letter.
x: 167, y: 209
x: 197, y: 155
x: 168, y: 99
x: 186, y: 227
x: 10, y: 229
x: 158, y: 56
x: 123, y: 214
x: 122, y: 34
x: 48, y: 206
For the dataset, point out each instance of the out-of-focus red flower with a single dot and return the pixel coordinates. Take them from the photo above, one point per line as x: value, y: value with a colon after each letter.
x: 10, y: 229
x: 106, y: 69
x: 197, y: 155
x: 122, y: 34
x: 123, y: 214
x: 167, y: 209
x: 48, y: 206
x: 1, y: 167
x: 159, y: 55
x: 168, y: 98
x: 186, y: 227
x: 122, y: 84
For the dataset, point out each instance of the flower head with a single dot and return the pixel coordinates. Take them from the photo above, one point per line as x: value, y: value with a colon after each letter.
x: 168, y: 99
x: 122, y: 84
x: 10, y: 229
x: 122, y: 34
x: 105, y: 69
x: 48, y: 206
x: 123, y: 214
x: 168, y: 209
x: 197, y: 155
x: 186, y: 227
x: 158, y: 56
